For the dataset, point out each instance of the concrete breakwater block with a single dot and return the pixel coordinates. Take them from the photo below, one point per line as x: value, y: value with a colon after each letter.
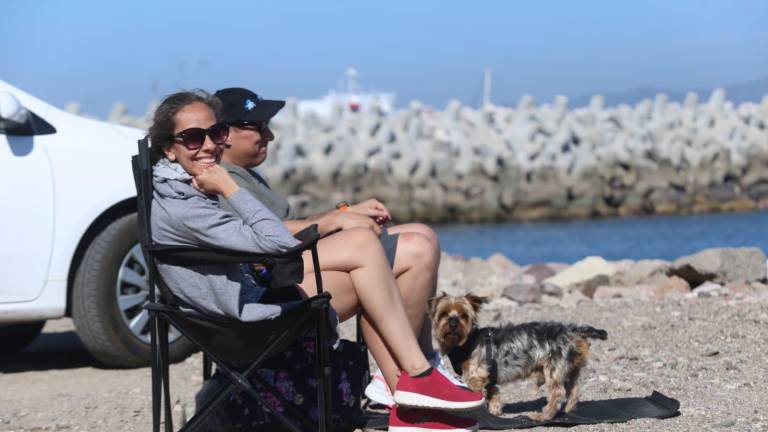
x: 526, y: 162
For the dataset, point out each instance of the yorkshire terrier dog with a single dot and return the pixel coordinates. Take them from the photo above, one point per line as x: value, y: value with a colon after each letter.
x: 550, y: 352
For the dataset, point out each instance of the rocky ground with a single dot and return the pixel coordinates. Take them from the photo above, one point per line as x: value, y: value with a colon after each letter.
x: 705, y: 347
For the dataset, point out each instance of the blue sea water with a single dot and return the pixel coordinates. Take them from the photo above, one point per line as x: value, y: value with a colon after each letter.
x: 663, y: 237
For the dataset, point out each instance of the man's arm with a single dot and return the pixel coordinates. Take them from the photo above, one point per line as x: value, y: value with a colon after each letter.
x: 327, y: 223
x: 333, y: 221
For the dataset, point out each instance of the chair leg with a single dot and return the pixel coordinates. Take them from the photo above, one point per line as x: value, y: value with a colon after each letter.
x: 155, y: 365
x: 324, y: 396
x: 207, y: 367
x: 164, y: 368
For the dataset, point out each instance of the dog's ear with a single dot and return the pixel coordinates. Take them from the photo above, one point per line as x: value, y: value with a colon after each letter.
x: 432, y: 303
x: 476, y: 301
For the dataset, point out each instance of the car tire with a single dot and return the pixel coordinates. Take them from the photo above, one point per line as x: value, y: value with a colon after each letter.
x: 95, y: 311
x: 16, y: 337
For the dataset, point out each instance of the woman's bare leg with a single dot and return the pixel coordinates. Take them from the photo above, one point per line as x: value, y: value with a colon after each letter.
x: 389, y: 335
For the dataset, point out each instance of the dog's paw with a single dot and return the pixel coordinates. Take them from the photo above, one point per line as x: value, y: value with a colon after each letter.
x: 495, y: 407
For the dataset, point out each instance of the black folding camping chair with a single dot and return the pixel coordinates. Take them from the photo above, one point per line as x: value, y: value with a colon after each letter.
x: 237, y: 348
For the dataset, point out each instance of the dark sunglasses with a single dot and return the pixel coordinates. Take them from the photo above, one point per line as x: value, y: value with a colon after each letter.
x: 193, y: 138
x: 259, y: 126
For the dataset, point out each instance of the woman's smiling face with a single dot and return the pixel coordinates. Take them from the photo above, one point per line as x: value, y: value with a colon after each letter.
x: 194, y: 115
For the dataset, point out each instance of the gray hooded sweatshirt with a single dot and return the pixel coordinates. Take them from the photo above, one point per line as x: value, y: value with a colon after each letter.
x: 183, y: 216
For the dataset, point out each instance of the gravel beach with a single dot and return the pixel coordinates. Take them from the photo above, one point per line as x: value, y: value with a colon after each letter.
x: 708, y: 353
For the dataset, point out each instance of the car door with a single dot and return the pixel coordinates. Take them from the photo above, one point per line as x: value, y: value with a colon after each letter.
x: 27, y: 217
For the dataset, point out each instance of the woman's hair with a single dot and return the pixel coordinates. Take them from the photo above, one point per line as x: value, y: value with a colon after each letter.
x: 161, y: 131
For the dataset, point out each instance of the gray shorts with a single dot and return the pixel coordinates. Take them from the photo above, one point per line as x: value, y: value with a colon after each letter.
x: 389, y: 243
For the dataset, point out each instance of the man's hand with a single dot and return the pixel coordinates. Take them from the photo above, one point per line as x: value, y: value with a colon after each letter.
x: 373, y: 209
x: 215, y: 181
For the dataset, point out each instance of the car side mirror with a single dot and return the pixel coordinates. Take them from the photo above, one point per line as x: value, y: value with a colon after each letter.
x: 16, y: 119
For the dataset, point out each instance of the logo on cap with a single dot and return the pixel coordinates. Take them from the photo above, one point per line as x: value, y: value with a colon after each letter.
x: 249, y: 104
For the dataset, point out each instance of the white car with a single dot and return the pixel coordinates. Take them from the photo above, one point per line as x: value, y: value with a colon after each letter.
x: 68, y: 227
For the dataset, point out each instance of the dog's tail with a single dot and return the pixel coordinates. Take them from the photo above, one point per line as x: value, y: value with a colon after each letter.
x: 590, y: 332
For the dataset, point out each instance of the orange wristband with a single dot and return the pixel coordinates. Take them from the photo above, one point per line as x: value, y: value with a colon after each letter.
x: 342, y: 206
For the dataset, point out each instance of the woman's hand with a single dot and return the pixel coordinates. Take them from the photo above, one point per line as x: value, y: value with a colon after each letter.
x: 215, y: 181
x: 373, y: 209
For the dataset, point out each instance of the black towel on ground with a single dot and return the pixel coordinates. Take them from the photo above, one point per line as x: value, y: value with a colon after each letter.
x: 587, y: 412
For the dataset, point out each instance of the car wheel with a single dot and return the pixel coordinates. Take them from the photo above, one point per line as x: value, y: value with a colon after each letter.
x: 16, y: 337
x: 109, y: 291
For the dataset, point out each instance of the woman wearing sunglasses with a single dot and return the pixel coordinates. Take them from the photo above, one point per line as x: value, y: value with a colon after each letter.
x: 187, y: 142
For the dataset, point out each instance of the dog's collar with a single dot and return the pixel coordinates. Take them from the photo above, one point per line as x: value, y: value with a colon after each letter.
x: 458, y: 355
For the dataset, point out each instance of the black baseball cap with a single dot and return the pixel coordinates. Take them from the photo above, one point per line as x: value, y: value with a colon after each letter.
x: 243, y: 105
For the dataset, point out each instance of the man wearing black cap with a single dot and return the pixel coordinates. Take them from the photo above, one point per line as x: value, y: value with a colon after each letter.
x: 412, y: 249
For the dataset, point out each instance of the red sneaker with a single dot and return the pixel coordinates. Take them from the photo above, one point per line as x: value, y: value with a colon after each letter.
x: 419, y: 420
x: 434, y: 391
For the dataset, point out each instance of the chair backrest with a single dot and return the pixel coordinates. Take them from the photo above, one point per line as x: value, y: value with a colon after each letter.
x: 142, y: 177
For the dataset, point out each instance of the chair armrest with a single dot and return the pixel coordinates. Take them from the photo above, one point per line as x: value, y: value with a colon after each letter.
x: 194, y: 255
x: 308, y: 236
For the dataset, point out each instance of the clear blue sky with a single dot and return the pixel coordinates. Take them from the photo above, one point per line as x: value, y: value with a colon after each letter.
x: 99, y: 52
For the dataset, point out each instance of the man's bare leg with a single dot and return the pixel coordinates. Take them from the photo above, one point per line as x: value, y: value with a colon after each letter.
x: 417, y: 260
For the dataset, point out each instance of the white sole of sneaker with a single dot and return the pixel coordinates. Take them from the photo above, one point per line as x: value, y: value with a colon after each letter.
x: 379, y: 396
x: 416, y: 400
x: 420, y: 429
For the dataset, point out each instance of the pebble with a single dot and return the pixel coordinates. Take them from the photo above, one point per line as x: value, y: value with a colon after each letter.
x: 726, y: 424
x: 621, y: 385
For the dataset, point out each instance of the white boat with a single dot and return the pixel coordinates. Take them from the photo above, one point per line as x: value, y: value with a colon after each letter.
x: 350, y: 98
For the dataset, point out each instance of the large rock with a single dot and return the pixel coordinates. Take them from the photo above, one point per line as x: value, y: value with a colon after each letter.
x: 745, y: 288
x: 708, y: 289
x: 539, y: 271
x: 572, y: 298
x: 523, y: 292
x: 721, y: 265
x: 643, y: 291
x: 582, y: 271
x: 672, y: 286
x: 643, y: 271
x: 458, y: 276
x: 503, y: 263
x: 450, y: 277
x: 589, y: 286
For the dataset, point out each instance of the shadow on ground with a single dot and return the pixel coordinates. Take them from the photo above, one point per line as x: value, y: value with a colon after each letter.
x: 50, y: 351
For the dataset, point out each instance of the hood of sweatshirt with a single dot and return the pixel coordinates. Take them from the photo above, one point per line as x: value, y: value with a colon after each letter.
x: 171, y: 181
